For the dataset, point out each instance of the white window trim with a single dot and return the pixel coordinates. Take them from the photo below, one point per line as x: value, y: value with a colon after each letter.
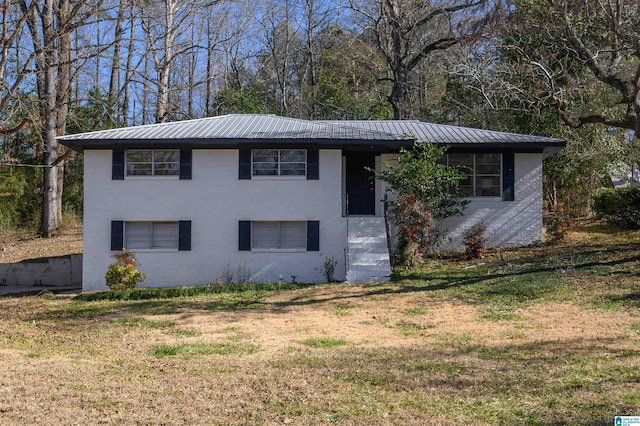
x: 279, y: 176
x: 152, y: 176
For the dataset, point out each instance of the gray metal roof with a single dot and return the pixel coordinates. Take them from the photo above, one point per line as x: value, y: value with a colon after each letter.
x: 229, y: 131
x: 446, y: 134
x: 237, y: 127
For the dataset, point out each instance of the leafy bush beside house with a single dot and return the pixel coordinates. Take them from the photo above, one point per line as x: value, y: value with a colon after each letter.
x: 123, y: 274
x: 423, y: 192
x: 619, y: 206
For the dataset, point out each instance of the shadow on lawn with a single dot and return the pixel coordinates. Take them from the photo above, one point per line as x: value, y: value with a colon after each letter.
x: 534, y: 380
x: 534, y: 273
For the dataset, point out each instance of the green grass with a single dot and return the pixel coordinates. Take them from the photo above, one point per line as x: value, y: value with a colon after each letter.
x: 412, y: 329
x: 509, y: 358
x: 181, y: 292
x: 323, y: 342
x: 200, y: 349
x: 416, y: 311
x: 142, y: 322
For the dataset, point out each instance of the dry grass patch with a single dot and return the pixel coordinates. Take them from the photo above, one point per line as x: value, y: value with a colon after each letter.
x: 550, y: 336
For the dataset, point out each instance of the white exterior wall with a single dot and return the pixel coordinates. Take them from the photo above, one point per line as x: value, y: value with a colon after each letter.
x: 214, y: 200
x: 508, y: 223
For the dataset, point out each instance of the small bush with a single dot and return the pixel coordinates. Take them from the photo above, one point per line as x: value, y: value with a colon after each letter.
x: 122, y: 274
x: 474, y: 241
x: 328, y: 269
x: 619, y: 206
x: 559, y: 226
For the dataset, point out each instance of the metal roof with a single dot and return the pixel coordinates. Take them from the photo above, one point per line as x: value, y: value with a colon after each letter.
x: 446, y: 134
x: 233, y: 129
x: 228, y: 131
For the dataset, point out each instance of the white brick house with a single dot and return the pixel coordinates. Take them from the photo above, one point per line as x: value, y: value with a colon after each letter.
x: 272, y: 198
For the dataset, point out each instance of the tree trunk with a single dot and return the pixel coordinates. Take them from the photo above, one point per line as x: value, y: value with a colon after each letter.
x: 50, y: 29
x: 398, y: 96
x: 49, y: 118
x: 114, y: 79
x: 129, y: 66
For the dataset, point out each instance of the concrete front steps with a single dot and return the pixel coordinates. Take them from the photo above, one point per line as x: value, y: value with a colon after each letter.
x: 368, y: 253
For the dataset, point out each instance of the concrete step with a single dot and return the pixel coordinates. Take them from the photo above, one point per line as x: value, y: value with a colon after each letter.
x: 374, y: 240
x: 381, y: 261
x: 368, y: 251
x: 363, y: 277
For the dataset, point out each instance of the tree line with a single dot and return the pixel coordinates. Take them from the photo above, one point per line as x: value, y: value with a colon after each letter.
x: 563, y: 68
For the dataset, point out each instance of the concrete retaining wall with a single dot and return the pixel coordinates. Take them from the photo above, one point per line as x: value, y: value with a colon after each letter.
x: 62, y: 271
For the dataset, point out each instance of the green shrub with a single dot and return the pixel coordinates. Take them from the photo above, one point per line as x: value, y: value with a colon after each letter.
x: 619, y: 206
x: 122, y: 274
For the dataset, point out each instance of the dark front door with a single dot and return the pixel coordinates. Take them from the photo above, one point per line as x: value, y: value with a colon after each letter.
x: 361, y: 190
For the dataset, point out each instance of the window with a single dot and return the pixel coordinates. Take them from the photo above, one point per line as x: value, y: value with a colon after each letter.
x: 279, y: 235
x: 153, y: 162
x: 151, y: 235
x: 279, y: 162
x: 481, y: 173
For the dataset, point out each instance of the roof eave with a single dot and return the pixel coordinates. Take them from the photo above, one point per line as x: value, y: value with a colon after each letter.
x: 99, y: 144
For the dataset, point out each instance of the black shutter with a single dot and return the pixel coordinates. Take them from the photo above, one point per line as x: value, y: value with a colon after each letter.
x: 313, y: 164
x: 117, y: 235
x: 117, y: 166
x: 244, y: 235
x: 313, y: 235
x: 185, y: 163
x: 508, y: 178
x: 184, y: 235
x: 245, y: 164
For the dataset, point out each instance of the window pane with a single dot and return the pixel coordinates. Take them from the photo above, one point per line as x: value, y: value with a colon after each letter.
x: 461, y: 160
x: 139, y: 155
x: 284, y: 162
x: 487, y: 158
x: 264, y: 235
x: 265, y: 169
x: 265, y: 155
x: 488, y: 164
x: 138, y: 235
x: 166, y: 169
x: 138, y: 169
x: 147, y: 162
x: 165, y: 235
x: 293, y: 235
x: 293, y: 156
x: 488, y: 186
x: 166, y: 156
x: 465, y: 186
x: 293, y: 169
x: 488, y: 169
x: 464, y: 163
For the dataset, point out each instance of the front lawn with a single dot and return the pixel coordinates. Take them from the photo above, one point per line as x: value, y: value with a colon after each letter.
x: 538, y: 335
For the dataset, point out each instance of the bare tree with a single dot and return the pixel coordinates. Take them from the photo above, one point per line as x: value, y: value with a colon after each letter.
x: 165, y: 28
x: 50, y: 24
x: 407, y: 32
x: 12, y: 21
x: 609, y: 50
x: 580, y: 58
x: 283, y: 46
